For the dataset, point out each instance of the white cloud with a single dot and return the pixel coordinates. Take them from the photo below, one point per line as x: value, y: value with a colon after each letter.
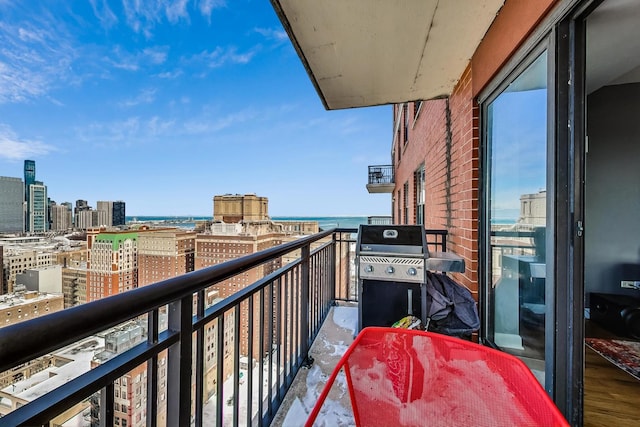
x: 142, y: 16
x: 103, y: 12
x: 125, y: 60
x: 146, y: 96
x: 275, y: 34
x: 34, y: 57
x: 170, y: 74
x: 14, y: 148
x: 206, y: 125
x: 157, y: 55
x: 207, y: 6
x: 176, y: 10
x: 126, y: 132
x: 222, y: 56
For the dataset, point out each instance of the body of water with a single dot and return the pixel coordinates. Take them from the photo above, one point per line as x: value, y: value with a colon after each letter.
x: 188, y: 222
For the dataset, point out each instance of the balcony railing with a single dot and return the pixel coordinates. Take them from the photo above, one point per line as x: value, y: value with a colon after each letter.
x: 228, y: 363
x: 379, y: 220
x: 381, y: 179
x: 199, y: 361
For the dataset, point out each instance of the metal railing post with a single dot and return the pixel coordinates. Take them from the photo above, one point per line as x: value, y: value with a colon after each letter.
x: 179, y: 363
x: 152, y: 370
x: 332, y: 268
x: 305, y: 307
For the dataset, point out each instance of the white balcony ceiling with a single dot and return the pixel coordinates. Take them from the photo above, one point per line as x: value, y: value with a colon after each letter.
x: 372, y: 52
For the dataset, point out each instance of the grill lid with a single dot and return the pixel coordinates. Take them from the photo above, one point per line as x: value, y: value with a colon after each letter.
x: 392, y: 239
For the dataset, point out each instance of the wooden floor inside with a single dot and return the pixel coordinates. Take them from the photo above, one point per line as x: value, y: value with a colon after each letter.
x: 611, y: 396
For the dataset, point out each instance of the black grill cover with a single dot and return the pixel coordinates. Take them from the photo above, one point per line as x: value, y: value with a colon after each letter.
x: 451, y: 307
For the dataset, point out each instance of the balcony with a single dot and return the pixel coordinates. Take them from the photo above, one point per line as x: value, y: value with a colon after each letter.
x: 381, y: 179
x: 172, y: 354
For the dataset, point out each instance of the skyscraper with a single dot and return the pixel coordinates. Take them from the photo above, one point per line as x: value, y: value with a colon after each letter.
x: 107, y: 209
x: 29, y: 179
x: 60, y: 217
x: 119, y: 213
x: 37, y: 208
x: 115, y: 212
x: 11, y: 205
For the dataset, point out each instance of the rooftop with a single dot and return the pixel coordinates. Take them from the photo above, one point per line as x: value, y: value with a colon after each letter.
x: 24, y: 298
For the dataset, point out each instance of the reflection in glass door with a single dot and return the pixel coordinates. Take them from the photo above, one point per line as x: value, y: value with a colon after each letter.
x: 516, y: 176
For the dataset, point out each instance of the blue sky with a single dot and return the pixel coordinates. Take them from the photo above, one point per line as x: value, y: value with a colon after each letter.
x: 164, y: 104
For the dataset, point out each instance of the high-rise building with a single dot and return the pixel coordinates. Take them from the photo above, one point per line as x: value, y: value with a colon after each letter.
x: 119, y: 213
x: 106, y: 209
x: 60, y: 217
x: 89, y: 218
x: 35, y: 196
x: 37, y: 208
x: 164, y: 254
x: 29, y: 176
x: 81, y: 206
x: 112, y: 263
x: 237, y: 207
x: 115, y: 213
x: 11, y: 205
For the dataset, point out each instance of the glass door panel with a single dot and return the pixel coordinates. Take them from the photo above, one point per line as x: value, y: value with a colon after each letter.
x: 516, y: 137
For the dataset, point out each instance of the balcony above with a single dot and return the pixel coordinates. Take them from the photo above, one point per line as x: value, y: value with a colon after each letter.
x: 381, y: 179
x: 362, y: 52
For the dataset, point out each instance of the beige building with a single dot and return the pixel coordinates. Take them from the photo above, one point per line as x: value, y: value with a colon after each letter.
x: 533, y: 208
x: 21, y: 306
x: 72, y: 258
x: 61, y: 218
x: 299, y: 227
x: 42, y: 279
x: 74, y: 285
x: 164, y: 254
x: 17, y: 261
x: 236, y: 207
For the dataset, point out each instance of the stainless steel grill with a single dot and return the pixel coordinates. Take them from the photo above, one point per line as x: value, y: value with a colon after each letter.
x: 392, y: 263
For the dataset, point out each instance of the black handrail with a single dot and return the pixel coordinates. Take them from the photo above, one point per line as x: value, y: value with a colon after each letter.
x: 25, y: 341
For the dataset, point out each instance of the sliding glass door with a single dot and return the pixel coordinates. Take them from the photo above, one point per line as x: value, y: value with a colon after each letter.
x: 516, y: 219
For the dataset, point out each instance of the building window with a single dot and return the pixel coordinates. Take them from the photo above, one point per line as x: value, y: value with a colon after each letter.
x: 405, y: 190
x: 405, y: 118
x: 416, y: 108
x: 419, y: 194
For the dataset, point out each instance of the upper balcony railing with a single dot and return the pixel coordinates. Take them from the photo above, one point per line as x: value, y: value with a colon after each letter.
x: 198, y: 360
x: 379, y: 220
x: 381, y: 179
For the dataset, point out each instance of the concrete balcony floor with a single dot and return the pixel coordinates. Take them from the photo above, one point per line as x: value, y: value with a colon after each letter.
x: 335, y: 336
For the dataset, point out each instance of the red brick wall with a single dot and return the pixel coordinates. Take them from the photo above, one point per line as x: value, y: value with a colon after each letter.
x: 451, y: 161
x: 515, y: 21
x: 465, y: 159
x: 452, y: 153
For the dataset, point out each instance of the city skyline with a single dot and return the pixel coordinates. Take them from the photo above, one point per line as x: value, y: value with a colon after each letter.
x: 166, y: 105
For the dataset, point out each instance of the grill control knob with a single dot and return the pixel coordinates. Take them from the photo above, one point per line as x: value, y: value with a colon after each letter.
x: 368, y: 269
x: 412, y: 271
x: 391, y: 270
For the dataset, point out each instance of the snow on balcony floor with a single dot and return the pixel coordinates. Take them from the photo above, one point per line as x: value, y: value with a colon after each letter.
x: 335, y: 336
